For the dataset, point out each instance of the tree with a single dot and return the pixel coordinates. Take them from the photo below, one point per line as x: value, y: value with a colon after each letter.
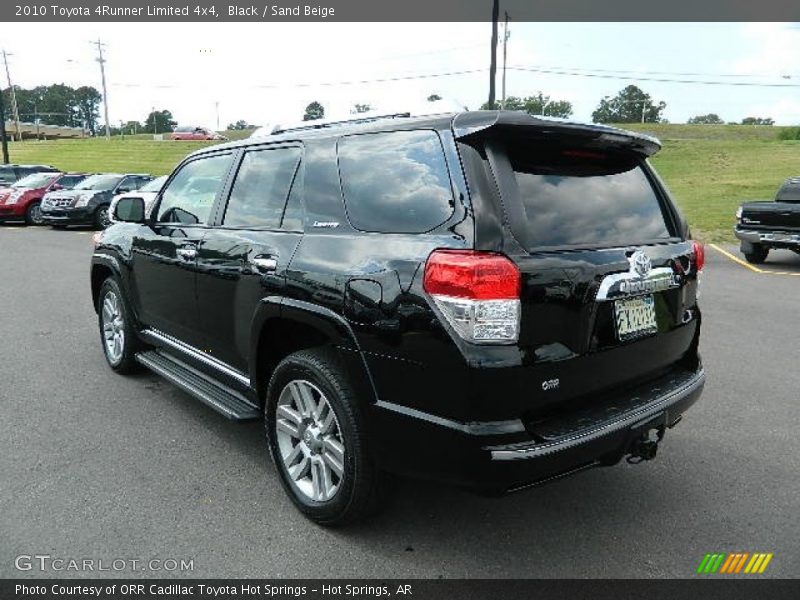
x: 240, y: 125
x: 434, y: 97
x: 709, y: 119
x: 314, y: 111
x: 159, y: 121
x: 631, y: 105
x: 360, y: 108
x: 87, y: 107
x: 540, y: 104
x: 758, y: 121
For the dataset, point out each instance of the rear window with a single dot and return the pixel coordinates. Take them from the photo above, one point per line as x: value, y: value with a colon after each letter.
x: 395, y: 182
x: 573, y: 197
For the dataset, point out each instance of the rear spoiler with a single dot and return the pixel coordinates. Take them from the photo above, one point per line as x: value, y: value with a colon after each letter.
x: 482, y: 124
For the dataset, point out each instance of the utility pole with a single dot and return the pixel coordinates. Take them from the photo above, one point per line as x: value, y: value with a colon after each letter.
x: 506, y: 35
x: 3, y: 130
x: 216, y: 107
x: 493, y: 63
x: 14, y: 107
x: 102, y: 62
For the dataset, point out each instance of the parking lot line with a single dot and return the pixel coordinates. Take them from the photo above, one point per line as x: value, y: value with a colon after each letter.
x: 747, y: 265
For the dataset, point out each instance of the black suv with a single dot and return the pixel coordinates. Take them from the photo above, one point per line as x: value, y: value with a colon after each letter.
x: 488, y: 299
x: 12, y: 173
x: 88, y: 202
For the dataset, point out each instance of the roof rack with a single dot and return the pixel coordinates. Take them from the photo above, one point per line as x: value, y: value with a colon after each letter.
x: 323, y: 123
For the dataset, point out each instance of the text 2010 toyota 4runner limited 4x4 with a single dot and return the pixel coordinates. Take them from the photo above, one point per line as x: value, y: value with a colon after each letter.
x: 487, y: 299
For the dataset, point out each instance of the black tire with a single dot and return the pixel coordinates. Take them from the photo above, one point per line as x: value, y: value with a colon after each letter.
x: 758, y: 255
x: 357, y: 491
x: 101, y: 219
x: 33, y: 214
x: 125, y: 363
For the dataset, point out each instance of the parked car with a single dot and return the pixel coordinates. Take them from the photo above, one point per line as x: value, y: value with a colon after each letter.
x: 487, y: 299
x: 87, y: 203
x: 22, y: 200
x: 147, y: 192
x: 195, y: 133
x: 761, y: 226
x: 11, y: 173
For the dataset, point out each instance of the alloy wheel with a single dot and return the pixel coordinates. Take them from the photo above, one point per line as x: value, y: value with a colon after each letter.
x: 113, y: 327
x: 310, y: 440
x: 36, y: 214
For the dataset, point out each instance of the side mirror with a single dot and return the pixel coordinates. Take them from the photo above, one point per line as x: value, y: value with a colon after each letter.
x: 56, y: 186
x: 129, y: 210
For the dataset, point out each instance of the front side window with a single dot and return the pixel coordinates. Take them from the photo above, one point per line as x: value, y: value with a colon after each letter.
x: 189, y: 197
x: 576, y: 198
x: 395, y: 182
x: 262, y: 184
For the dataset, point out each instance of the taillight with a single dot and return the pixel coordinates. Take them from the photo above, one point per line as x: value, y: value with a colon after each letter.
x: 478, y: 293
x: 699, y: 252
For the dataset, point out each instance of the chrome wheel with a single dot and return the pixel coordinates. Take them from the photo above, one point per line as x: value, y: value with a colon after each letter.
x: 113, y: 328
x: 36, y: 215
x: 103, y: 219
x: 310, y: 440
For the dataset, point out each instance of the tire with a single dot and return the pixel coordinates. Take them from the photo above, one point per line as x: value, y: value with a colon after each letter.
x: 114, y: 318
x: 758, y: 255
x: 33, y: 215
x: 101, y: 218
x: 329, y: 448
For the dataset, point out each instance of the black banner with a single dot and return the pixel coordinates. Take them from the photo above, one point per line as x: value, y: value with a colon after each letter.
x: 315, y: 589
x: 393, y: 10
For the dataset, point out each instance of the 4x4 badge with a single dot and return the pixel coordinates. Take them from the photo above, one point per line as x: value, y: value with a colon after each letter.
x: 640, y: 263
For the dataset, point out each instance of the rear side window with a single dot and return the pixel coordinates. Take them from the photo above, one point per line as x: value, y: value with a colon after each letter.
x: 574, y: 198
x: 395, y: 182
x: 262, y: 184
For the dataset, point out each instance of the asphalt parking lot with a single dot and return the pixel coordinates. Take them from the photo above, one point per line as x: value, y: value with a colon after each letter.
x: 98, y: 465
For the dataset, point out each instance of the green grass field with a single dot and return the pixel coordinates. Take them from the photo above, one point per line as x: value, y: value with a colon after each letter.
x: 710, y: 169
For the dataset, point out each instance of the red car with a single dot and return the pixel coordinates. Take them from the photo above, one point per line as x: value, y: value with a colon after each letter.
x: 21, y: 200
x: 196, y: 134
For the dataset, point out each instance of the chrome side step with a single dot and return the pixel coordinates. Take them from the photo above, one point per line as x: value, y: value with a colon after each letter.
x: 221, y: 398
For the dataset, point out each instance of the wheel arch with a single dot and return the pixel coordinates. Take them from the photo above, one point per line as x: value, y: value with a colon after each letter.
x: 103, y: 267
x: 285, y: 326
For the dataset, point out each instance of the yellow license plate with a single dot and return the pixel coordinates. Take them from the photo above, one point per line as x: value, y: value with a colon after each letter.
x: 635, y: 317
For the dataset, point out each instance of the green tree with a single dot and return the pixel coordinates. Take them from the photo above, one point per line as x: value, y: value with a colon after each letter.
x: 87, y: 107
x: 159, y: 121
x: 758, y: 121
x: 539, y: 104
x: 132, y: 128
x: 631, y: 105
x: 434, y: 97
x: 709, y: 119
x: 314, y: 111
x: 240, y: 125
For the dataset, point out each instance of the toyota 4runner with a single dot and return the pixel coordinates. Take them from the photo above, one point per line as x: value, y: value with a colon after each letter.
x: 488, y: 299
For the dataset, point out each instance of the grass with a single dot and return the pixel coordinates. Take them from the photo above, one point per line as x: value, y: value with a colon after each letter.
x: 710, y: 169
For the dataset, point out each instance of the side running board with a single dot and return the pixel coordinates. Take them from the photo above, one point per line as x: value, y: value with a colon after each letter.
x: 221, y: 398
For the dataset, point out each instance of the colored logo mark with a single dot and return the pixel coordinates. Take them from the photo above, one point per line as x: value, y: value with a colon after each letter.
x: 735, y: 562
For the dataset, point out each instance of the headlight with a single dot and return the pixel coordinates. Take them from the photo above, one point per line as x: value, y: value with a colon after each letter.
x: 83, y: 200
x: 12, y: 199
x: 739, y: 214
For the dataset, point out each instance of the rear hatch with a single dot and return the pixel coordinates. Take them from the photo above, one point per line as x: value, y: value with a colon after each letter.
x: 608, y: 277
x: 780, y: 216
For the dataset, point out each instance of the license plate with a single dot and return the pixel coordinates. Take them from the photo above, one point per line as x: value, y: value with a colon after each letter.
x: 635, y: 317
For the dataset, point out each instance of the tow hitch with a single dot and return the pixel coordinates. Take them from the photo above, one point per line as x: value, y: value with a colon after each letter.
x: 643, y: 448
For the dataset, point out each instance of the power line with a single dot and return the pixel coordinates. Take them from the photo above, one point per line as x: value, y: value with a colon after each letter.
x: 655, y: 79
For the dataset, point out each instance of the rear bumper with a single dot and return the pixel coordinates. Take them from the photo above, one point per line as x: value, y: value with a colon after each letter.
x: 474, y: 454
x: 772, y: 238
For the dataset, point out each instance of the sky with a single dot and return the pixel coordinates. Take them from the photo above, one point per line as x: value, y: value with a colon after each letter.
x: 267, y: 73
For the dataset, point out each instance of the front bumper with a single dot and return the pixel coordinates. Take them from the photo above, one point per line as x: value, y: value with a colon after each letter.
x: 67, y: 216
x: 12, y: 212
x: 772, y: 238
x: 475, y: 455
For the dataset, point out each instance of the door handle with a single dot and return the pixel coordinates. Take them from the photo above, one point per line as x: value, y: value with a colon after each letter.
x: 187, y: 252
x: 264, y: 264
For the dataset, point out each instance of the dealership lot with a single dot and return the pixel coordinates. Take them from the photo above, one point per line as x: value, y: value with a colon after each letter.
x: 100, y: 466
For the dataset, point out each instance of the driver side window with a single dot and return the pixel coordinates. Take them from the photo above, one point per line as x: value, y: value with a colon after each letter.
x: 189, y: 197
